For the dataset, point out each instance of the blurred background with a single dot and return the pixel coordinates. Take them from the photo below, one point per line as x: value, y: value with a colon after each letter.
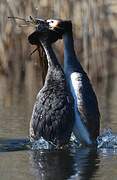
x: 94, y: 27
x: 95, y: 37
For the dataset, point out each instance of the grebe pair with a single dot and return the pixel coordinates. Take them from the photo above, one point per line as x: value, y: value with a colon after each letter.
x: 80, y: 115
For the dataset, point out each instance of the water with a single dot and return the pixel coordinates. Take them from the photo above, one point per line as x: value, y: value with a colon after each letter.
x: 20, y: 159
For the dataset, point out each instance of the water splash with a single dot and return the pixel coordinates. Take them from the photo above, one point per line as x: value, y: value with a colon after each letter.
x: 41, y: 144
x: 107, y: 140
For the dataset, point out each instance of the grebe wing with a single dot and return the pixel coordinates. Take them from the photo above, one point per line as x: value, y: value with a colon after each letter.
x: 88, y: 106
x: 49, y: 117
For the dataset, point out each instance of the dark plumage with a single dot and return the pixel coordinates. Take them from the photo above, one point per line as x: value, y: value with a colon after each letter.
x: 52, y: 116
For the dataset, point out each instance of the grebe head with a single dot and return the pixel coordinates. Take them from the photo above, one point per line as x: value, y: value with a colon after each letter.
x: 43, y: 31
x: 59, y: 26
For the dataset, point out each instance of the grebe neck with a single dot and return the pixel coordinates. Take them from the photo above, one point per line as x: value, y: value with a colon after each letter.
x: 51, y: 57
x: 68, y: 44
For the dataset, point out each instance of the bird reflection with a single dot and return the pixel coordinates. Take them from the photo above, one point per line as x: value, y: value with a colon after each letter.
x: 64, y: 164
x: 52, y: 165
x: 87, y: 160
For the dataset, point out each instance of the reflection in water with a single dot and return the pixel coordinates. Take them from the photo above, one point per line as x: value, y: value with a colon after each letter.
x: 16, y: 102
x: 52, y: 165
x: 107, y: 98
x: 87, y: 162
x: 7, y: 145
x: 64, y: 164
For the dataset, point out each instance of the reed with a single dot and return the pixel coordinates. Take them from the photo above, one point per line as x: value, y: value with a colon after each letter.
x: 95, y: 34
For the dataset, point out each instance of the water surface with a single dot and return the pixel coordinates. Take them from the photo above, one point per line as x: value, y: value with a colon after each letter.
x: 19, y: 162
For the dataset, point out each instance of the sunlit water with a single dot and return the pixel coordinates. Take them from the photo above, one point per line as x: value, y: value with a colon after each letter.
x: 21, y: 159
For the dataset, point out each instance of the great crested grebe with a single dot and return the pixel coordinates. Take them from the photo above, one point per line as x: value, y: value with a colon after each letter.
x: 87, y: 116
x: 52, y: 116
